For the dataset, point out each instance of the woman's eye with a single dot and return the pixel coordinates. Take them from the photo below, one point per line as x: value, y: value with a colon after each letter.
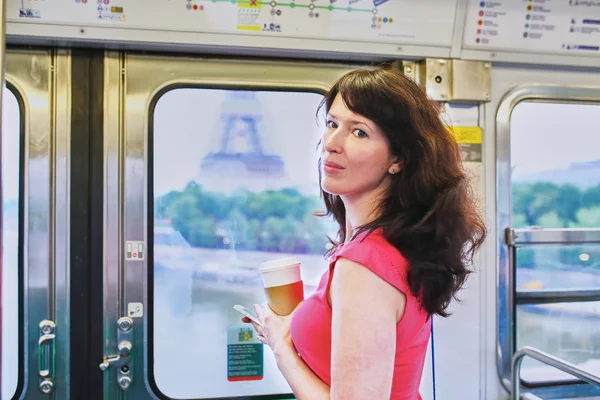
x: 331, y: 124
x: 360, y: 133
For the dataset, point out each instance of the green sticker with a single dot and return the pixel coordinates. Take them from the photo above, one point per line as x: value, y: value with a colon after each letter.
x: 245, y: 355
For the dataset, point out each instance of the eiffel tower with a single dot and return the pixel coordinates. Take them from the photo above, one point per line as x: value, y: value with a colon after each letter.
x: 240, y: 160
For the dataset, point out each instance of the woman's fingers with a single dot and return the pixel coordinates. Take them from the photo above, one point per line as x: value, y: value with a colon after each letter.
x: 259, y: 312
x: 257, y: 328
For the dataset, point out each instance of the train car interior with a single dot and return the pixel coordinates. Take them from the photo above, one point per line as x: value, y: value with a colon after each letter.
x: 155, y: 152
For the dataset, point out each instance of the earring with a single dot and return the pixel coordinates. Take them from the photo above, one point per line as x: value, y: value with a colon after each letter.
x: 393, y: 171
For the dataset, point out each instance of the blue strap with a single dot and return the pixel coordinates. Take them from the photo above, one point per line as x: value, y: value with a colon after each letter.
x: 433, y: 357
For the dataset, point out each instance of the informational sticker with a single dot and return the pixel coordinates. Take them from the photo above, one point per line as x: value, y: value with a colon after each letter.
x: 469, y: 139
x: 542, y: 26
x: 135, y: 310
x: 245, y: 354
x: 248, y: 14
x: 134, y: 251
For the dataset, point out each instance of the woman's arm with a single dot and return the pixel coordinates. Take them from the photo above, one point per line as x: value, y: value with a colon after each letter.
x: 305, y: 384
x: 275, y: 333
x: 366, y: 310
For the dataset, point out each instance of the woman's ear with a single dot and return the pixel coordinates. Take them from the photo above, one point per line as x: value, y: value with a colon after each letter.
x: 396, y: 167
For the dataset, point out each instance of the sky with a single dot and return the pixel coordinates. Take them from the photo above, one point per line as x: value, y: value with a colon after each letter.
x: 550, y: 136
x: 187, y: 126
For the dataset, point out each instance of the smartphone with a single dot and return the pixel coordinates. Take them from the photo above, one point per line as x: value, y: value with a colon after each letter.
x: 242, y: 310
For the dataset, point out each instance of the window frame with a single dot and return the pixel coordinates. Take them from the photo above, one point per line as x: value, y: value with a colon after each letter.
x: 150, y: 210
x: 507, y: 239
x: 13, y: 88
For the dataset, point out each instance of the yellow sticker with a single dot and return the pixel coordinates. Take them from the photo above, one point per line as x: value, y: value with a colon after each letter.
x: 248, y: 15
x: 467, y: 134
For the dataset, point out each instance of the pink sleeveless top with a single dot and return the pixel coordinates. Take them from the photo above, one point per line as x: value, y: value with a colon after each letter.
x: 311, y: 324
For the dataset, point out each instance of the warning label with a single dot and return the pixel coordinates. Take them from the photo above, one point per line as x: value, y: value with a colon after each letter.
x: 134, y: 251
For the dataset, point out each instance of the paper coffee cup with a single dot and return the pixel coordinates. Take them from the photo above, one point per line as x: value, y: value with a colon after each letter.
x: 283, y: 284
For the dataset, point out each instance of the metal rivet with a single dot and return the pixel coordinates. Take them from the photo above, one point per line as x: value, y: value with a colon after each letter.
x: 47, y: 327
x: 46, y: 387
x: 125, y: 324
x: 125, y: 382
x: 124, y: 349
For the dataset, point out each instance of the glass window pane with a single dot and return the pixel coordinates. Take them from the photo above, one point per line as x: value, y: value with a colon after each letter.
x: 11, y: 133
x: 555, y: 161
x: 558, y: 267
x: 570, y: 331
x: 235, y: 183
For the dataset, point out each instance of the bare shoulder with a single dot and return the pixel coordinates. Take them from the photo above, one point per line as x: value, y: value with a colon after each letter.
x: 355, y: 285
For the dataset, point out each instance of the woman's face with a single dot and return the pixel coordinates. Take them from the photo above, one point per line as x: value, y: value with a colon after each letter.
x: 355, y: 158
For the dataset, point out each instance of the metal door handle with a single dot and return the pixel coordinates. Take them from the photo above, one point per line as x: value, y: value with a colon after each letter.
x: 46, y: 343
x: 46, y: 351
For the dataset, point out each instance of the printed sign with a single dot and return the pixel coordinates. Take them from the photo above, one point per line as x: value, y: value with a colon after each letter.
x: 469, y: 139
x: 245, y: 355
x: 135, y: 310
x: 134, y: 251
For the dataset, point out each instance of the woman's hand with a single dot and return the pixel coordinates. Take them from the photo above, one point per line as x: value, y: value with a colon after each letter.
x: 275, y: 331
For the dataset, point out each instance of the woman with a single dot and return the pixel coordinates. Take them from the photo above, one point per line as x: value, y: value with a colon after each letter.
x: 391, y: 176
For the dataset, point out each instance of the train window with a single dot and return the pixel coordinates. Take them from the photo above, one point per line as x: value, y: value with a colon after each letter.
x: 555, y: 182
x: 555, y: 165
x: 569, y: 331
x: 11, y: 134
x: 235, y: 183
x: 553, y: 267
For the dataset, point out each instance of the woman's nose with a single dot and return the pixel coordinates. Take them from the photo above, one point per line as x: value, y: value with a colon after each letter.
x: 332, y: 141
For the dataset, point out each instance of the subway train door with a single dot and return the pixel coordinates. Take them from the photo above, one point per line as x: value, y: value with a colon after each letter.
x: 35, y: 199
x: 210, y: 168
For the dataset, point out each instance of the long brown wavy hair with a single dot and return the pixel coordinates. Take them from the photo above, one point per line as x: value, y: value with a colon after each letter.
x: 429, y: 212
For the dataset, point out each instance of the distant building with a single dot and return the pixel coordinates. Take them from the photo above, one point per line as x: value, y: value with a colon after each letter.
x: 239, y: 159
x: 582, y: 175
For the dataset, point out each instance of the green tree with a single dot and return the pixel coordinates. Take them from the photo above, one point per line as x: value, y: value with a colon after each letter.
x: 587, y: 218
x: 518, y: 221
x: 278, y: 221
x: 551, y: 220
x: 203, y: 233
x: 534, y: 200
x: 591, y: 197
x: 568, y: 202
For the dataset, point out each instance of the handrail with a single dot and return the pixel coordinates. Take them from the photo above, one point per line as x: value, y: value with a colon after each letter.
x: 548, y: 360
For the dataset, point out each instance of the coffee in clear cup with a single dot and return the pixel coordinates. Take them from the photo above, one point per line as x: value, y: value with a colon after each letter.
x: 283, y: 284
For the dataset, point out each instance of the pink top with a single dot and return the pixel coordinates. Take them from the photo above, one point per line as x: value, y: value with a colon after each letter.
x: 311, y: 324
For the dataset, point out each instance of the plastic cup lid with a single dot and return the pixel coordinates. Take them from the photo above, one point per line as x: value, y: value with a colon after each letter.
x: 281, y: 263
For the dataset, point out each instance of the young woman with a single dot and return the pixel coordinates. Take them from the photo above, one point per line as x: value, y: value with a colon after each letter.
x: 391, y: 175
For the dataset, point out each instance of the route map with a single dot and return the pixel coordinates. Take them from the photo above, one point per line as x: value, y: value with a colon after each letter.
x: 426, y: 22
